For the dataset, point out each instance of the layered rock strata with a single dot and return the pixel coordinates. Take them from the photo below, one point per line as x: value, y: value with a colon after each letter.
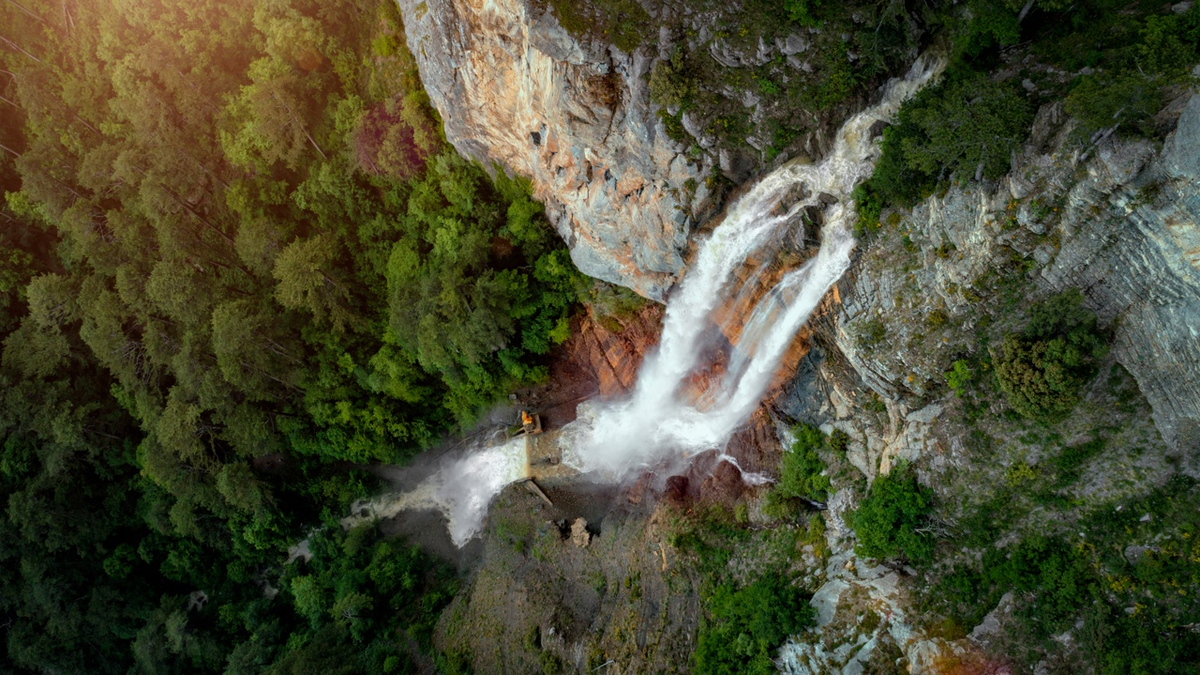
x: 1118, y: 221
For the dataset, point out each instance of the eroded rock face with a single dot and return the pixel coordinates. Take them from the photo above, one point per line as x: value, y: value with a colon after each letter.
x: 1139, y: 259
x: 1121, y: 224
x: 516, y: 90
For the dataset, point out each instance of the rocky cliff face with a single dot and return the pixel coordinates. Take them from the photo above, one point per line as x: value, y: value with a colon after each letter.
x: 516, y: 90
x: 1119, y: 222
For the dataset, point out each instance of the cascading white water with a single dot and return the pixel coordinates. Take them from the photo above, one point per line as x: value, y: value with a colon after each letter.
x: 654, y: 423
x: 462, y: 488
x: 609, y: 440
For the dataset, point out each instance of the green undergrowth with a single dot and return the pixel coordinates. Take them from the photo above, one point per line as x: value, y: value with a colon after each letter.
x: 1120, y: 580
x: 802, y: 471
x: 1062, y: 501
x: 744, y: 626
x: 622, y: 23
x: 752, y: 594
x: 745, y: 617
x: 1041, y: 368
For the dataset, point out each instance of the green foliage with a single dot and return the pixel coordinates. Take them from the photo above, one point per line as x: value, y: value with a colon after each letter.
x: 960, y: 376
x: 868, y: 205
x: 890, y: 521
x: 460, y: 296
x: 194, y: 312
x: 672, y: 80
x: 968, y: 125
x: 1121, y: 101
x: 1135, y: 55
x: 359, y: 589
x: 745, y: 626
x: 1118, y: 568
x: 869, y: 333
x: 1041, y: 369
x: 801, y: 473
x: 961, y: 128
x: 621, y: 23
x: 611, y: 306
x: 801, y: 11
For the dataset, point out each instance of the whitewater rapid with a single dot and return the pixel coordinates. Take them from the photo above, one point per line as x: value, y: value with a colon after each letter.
x: 611, y: 440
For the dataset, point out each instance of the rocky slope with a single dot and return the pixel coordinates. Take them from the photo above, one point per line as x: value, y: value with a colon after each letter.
x: 1119, y: 222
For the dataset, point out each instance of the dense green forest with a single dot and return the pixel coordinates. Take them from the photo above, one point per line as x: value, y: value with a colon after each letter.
x: 238, y: 262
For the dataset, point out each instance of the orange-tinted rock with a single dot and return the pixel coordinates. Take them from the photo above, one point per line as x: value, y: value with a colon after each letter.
x: 596, y: 361
x: 754, y: 445
x: 615, y: 356
x: 515, y: 89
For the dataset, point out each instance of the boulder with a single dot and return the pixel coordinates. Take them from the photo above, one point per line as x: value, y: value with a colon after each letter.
x: 579, y: 533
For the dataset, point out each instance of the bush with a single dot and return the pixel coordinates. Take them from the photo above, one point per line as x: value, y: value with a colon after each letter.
x: 869, y: 334
x: 888, y: 522
x: 801, y: 11
x: 801, y: 473
x: 745, y: 626
x: 960, y: 376
x: 622, y: 23
x: 1125, y: 102
x: 1041, y: 369
x: 962, y: 128
x: 672, y: 80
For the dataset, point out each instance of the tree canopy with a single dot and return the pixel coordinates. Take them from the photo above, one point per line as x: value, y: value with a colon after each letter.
x: 238, y: 262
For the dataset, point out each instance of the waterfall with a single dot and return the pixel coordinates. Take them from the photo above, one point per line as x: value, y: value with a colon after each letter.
x: 461, y: 488
x: 654, y: 423
x: 609, y: 440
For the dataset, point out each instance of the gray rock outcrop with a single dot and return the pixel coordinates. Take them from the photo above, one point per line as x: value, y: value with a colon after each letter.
x: 516, y: 90
x: 1119, y: 222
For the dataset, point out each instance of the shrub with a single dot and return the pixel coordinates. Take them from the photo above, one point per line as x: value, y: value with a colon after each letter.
x: 870, y: 333
x: 1041, y: 369
x: 672, y: 80
x: 622, y: 23
x: 1125, y: 102
x: 960, y: 376
x: 1050, y: 569
x: 838, y: 441
x: 801, y: 473
x: 801, y: 11
x: 962, y: 128
x: 888, y: 522
x: 965, y: 128
x: 745, y: 626
x: 869, y: 206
